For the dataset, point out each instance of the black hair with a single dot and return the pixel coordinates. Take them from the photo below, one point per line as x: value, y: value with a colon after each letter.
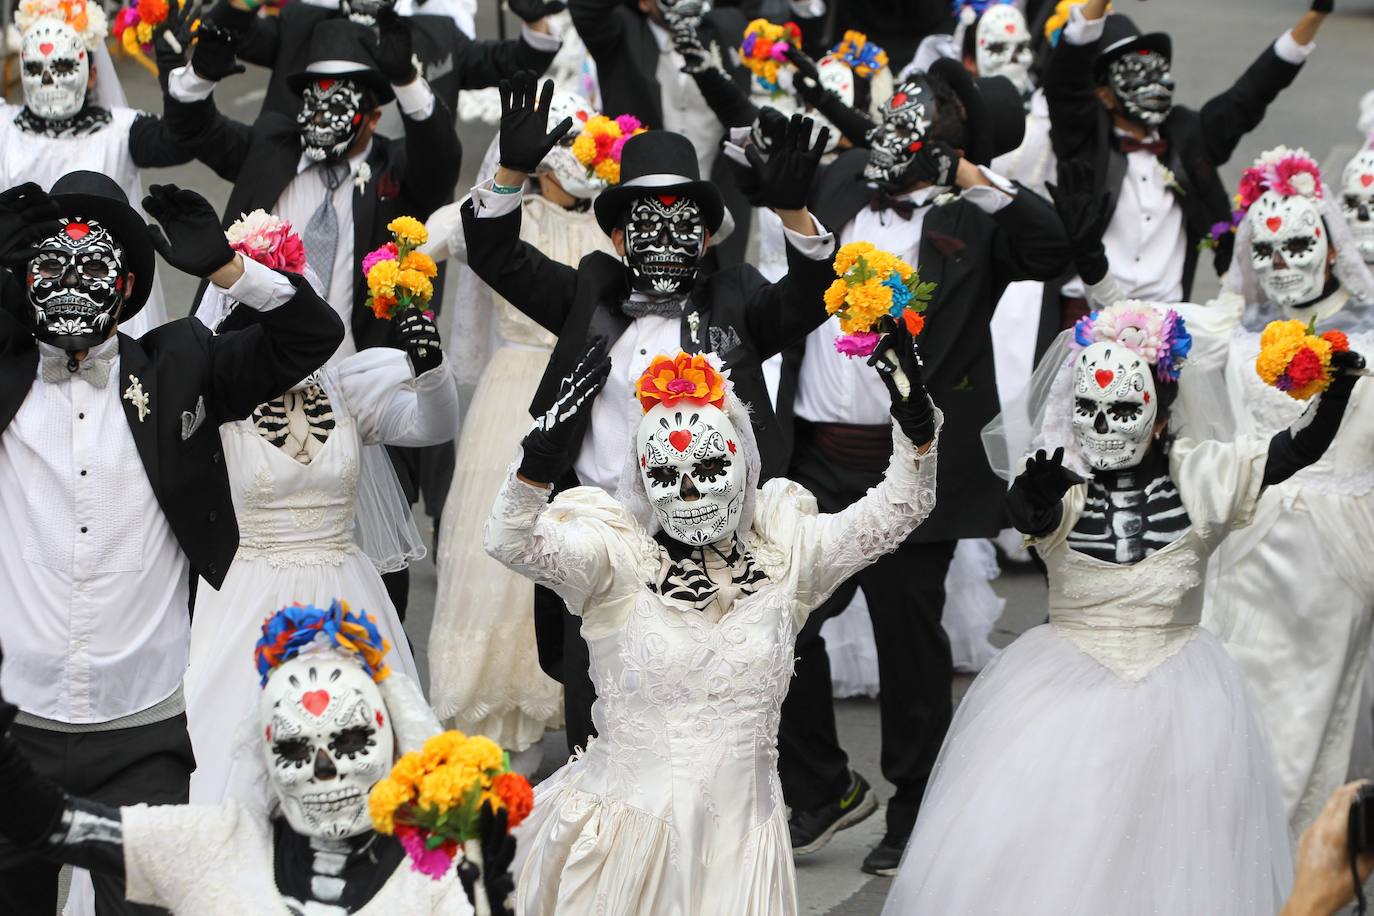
x: 948, y: 124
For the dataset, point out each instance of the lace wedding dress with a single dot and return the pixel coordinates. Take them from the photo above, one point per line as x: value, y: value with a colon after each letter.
x: 1110, y: 760
x: 296, y: 545
x: 676, y: 809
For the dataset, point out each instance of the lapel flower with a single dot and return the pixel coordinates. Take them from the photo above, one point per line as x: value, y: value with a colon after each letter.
x: 363, y: 176
x: 1170, y: 180
x: 136, y: 396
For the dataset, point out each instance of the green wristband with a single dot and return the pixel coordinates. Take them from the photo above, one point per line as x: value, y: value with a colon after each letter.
x: 506, y: 189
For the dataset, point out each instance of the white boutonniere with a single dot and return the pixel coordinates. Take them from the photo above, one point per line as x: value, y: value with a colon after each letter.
x: 694, y: 323
x: 136, y: 396
x: 948, y: 197
x: 1170, y: 180
x: 364, y: 175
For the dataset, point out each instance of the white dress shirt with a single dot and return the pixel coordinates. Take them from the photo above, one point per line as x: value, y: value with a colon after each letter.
x: 92, y: 581
x: 834, y: 388
x: 684, y: 107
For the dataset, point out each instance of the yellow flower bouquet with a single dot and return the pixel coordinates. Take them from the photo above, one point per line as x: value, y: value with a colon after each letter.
x: 873, y: 285
x: 398, y: 276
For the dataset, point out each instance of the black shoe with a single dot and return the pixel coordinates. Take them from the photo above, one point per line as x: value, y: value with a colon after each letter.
x: 811, y: 829
x: 884, y: 858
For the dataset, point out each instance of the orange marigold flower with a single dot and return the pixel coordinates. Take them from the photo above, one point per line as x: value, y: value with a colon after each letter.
x: 915, y: 322
x: 1339, y: 342
x: 685, y: 377
x: 514, y: 790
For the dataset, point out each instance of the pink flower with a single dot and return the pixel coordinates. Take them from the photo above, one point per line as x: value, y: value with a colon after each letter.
x: 291, y: 254
x: 616, y: 148
x: 386, y: 253
x: 859, y: 343
x: 628, y: 124
x: 1297, y: 175
x: 268, y: 240
x: 1252, y: 185
x: 433, y: 862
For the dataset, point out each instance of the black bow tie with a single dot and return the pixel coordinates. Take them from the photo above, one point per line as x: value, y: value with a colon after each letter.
x: 884, y: 201
x: 1130, y: 144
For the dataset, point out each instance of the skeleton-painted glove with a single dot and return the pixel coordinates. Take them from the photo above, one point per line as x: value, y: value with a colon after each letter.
x: 27, y: 216
x: 1085, y: 214
x: 535, y: 10
x: 172, y: 40
x: 784, y: 180
x: 421, y: 338
x: 1035, y: 500
x: 214, y: 59
x: 899, y: 366
x: 392, y: 47
x: 194, y: 241
x: 548, y: 445
x: 525, y: 139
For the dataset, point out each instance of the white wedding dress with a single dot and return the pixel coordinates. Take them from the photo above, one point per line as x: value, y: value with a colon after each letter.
x: 1110, y: 761
x: 676, y: 809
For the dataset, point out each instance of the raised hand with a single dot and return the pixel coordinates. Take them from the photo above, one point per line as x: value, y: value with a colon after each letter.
x: 534, y: 10
x: 27, y: 216
x: 898, y: 363
x: 392, y: 48
x: 191, y: 238
x: 696, y: 56
x: 1034, y: 502
x: 938, y: 163
x: 1085, y: 215
x: 421, y: 338
x: 807, y: 80
x: 1348, y: 362
x: 548, y: 445
x: 213, y: 59
x: 524, y: 141
x: 172, y: 41
x: 784, y: 178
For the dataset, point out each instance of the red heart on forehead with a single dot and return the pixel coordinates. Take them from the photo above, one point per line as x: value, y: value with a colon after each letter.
x: 680, y: 439
x: 1010, y: 27
x: 1104, y: 377
x: 1367, y: 180
x: 324, y: 84
x: 45, y: 48
x: 582, y: 116
x: 1274, y: 222
x: 315, y: 701
x: 667, y: 199
x: 77, y: 231
x: 899, y: 100
x: 1142, y: 52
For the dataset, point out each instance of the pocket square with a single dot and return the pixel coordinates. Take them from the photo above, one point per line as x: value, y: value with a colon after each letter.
x: 190, y: 422
x: 723, y: 340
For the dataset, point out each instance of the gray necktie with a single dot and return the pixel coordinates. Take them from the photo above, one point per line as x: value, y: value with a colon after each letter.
x: 321, y: 235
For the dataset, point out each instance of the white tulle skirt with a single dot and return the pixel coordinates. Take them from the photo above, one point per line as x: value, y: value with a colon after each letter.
x: 1062, y: 790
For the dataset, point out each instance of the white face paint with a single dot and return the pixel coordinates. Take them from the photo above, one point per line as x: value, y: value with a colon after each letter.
x: 1289, y: 248
x: 1002, y: 46
x: 1357, y: 200
x: 54, y: 69
x: 693, y: 471
x: 1114, y: 406
x: 328, y: 740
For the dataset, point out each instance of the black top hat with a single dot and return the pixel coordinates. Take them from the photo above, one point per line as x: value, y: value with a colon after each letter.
x: 337, y: 52
x: 1121, y: 36
x: 658, y: 162
x: 93, y: 195
x: 995, y: 114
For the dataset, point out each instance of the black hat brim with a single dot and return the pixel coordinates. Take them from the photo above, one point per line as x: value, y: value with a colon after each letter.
x: 127, y: 226
x: 1158, y: 42
x: 610, y: 205
x: 372, y: 79
x: 977, y: 124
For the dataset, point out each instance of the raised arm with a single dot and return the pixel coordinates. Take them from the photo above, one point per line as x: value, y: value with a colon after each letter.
x: 1035, y: 502
x: 727, y: 101
x: 256, y: 38
x: 403, y: 398
x: 153, y: 145
x: 600, y: 28
x: 1307, y: 440
x: 1069, y: 88
x: 483, y: 63
x: 853, y: 124
x: 189, y: 109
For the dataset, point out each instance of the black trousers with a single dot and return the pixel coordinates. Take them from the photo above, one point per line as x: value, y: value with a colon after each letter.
x: 148, y: 763
x: 905, y: 592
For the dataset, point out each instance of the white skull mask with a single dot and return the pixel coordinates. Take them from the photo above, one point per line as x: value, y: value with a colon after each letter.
x: 1144, y: 84
x: 568, y: 169
x: 328, y: 740
x: 1357, y: 200
x: 54, y: 69
x: 1288, y: 248
x: 901, y: 134
x: 1114, y: 406
x: 1002, y: 46
x: 693, y: 471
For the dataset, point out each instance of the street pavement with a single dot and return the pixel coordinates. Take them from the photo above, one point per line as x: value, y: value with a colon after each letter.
x: 1213, y: 41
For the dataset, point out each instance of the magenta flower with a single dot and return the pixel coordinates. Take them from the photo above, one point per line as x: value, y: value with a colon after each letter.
x: 433, y: 862
x: 859, y: 343
x: 386, y: 253
x: 628, y: 124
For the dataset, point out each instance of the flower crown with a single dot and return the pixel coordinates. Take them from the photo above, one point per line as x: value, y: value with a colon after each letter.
x: 695, y: 378
x: 1286, y: 172
x: 292, y: 630
x: 88, y: 21
x: 861, y: 55
x: 601, y: 140
x: 764, y: 50
x: 1160, y: 336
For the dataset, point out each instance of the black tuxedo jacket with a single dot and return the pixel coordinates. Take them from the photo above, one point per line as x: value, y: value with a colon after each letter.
x: 972, y: 256
x: 181, y: 366
x: 451, y: 61
x: 741, y: 317
x: 1200, y: 141
x: 409, y: 178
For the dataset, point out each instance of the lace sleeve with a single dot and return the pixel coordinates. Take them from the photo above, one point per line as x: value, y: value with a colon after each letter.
x: 392, y: 406
x: 167, y: 849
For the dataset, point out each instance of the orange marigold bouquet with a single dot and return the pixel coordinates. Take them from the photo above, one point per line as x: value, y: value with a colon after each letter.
x: 874, y: 284
x: 398, y: 276
x: 1296, y: 360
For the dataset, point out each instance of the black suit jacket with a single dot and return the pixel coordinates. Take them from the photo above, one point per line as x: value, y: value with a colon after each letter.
x: 972, y: 256
x: 450, y: 59
x: 409, y: 178
x: 1200, y: 141
x: 741, y: 317
x: 181, y: 366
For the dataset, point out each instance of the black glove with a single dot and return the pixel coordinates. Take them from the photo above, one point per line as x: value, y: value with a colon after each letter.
x: 421, y: 338
x: 937, y: 162
x: 1323, y: 6
x: 524, y: 143
x: 213, y: 59
x: 785, y: 178
x: 548, y: 445
x: 896, y: 356
x: 534, y: 10
x: 392, y: 48
x: 807, y: 80
x: 1034, y: 501
x: 27, y: 216
x: 172, y: 41
x: 498, y: 852
x: 194, y: 241
x: 767, y: 133
x: 852, y: 123
x: 1085, y: 215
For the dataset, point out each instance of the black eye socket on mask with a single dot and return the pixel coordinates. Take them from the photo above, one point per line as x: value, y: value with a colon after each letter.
x: 352, y: 741
x: 293, y: 750
x: 64, y: 67
x: 1298, y: 245
x: 1086, y: 406
x: 710, y: 469
x: 1122, y: 411
x: 33, y: 68
x: 664, y: 475
x: 1263, y: 250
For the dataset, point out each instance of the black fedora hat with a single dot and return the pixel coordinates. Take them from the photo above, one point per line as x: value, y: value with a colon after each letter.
x: 1121, y: 36
x: 995, y: 115
x: 658, y: 163
x: 93, y: 195
x: 337, y: 52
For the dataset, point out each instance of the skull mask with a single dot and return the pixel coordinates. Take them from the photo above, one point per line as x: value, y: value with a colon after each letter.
x: 1002, y: 46
x: 330, y: 117
x: 1288, y: 248
x: 55, y: 70
x: 1144, y: 86
x: 571, y: 173
x: 682, y: 14
x: 900, y: 134
x: 1114, y: 406
x: 364, y: 12
x: 327, y: 741
x: 692, y: 471
x: 1357, y: 199
x: 76, y: 285
x: 665, y: 238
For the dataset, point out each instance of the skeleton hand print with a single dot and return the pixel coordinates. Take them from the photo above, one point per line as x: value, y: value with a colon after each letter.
x: 1288, y: 249
x: 665, y: 237
x: 330, y: 117
x: 76, y: 285
x: 1114, y: 406
x: 692, y: 472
